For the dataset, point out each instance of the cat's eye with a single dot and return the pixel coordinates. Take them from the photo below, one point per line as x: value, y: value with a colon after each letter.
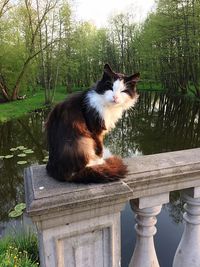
x: 128, y: 92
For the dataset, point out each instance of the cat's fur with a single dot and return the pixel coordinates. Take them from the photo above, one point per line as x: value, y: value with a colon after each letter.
x: 76, y: 127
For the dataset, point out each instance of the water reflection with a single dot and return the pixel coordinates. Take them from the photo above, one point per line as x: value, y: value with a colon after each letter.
x: 158, y: 123
x: 27, y: 131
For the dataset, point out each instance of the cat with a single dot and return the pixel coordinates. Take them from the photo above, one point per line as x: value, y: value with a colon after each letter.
x: 76, y: 128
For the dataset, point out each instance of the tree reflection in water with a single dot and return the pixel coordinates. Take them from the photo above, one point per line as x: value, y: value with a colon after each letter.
x: 158, y: 123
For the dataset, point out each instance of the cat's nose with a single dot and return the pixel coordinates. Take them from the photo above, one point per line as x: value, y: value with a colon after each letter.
x: 116, y: 99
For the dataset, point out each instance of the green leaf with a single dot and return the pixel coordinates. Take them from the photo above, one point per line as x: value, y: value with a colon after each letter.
x: 2, y: 157
x: 9, y: 156
x: 22, y: 162
x: 28, y: 151
x: 20, y: 207
x: 13, y: 149
x: 45, y: 160
x: 21, y: 155
x: 14, y: 213
x: 21, y: 147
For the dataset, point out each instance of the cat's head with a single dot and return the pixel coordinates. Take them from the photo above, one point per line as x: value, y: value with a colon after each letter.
x: 118, y: 89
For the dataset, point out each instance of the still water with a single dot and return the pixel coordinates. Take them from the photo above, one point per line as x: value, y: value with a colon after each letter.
x: 158, y: 123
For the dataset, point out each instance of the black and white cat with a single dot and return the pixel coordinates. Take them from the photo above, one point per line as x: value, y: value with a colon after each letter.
x: 76, y: 128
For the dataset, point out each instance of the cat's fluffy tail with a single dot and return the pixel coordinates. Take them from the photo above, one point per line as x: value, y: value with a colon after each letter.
x: 112, y: 169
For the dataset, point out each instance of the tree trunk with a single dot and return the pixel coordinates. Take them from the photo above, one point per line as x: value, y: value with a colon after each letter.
x: 4, y: 91
x: 19, y: 79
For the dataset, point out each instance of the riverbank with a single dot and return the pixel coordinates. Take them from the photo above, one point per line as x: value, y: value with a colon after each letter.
x: 16, y: 109
x: 19, y: 108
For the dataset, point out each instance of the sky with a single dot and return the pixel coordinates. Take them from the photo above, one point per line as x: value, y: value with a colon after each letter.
x: 98, y: 11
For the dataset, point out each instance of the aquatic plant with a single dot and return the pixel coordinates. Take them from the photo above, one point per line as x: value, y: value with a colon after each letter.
x: 18, y: 210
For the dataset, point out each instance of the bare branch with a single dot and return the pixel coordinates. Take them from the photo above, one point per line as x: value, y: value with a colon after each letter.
x: 49, y: 6
x: 4, y: 7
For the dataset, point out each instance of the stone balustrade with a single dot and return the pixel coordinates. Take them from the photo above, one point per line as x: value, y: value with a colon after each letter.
x: 79, y: 225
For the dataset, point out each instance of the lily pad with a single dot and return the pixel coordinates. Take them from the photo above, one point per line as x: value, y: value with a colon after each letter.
x: 2, y: 157
x: 21, y: 147
x: 20, y: 207
x: 9, y: 156
x: 45, y: 160
x: 21, y: 162
x: 28, y: 151
x: 13, y: 149
x: 21, y: 155
x: 15, y: 213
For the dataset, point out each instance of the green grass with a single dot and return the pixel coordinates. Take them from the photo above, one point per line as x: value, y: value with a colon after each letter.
x: 149, y: 86
x: 19, y: 108
x: 19, y: 250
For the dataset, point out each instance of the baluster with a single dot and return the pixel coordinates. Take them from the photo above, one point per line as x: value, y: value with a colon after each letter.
x: 144, y: 254
x: 188, y: 251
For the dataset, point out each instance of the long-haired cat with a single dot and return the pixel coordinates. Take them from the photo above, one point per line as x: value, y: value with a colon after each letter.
x: 76, y: 127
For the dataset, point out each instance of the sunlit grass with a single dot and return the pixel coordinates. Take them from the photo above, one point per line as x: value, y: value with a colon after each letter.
x: 19, y: 108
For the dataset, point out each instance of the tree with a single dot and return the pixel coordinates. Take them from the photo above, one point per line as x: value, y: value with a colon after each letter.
x: 170, y: 45
x: 31, y: 24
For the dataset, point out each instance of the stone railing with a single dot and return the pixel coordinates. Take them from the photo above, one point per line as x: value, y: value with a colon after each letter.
x: 79, y: 225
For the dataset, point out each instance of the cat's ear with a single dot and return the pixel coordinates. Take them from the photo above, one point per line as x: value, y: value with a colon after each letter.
x: 133, y: 78
x: 109, y: 71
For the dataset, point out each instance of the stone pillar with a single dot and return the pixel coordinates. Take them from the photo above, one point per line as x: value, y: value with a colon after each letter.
x: 78, y: 225
x: 146, y: 209
x: 188, y: 251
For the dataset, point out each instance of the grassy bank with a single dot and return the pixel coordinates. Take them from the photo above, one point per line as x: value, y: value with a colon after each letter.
x: 19, y: 108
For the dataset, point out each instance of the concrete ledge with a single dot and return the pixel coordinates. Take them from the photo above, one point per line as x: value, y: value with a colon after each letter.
x: 148, y: 175
x: 165, y: 172
x: 79, y: 225
x: 44, y: 195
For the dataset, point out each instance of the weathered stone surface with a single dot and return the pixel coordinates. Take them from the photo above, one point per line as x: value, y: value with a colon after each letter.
x: 46, y: 195
x: 148, y: 175
x: 187, y: 253
x: 79, y: 223
x: 94, y: 242
x: 144, y: 254
x: 165, y: 172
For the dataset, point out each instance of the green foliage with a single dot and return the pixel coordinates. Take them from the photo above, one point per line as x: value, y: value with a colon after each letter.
x: 14, y: 50
x: 170, y: 46
x: 58, y: 52
x: 149, y: 85
x: 19, y: 250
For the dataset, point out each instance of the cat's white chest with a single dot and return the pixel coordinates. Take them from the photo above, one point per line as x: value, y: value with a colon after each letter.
x: 111, y: 115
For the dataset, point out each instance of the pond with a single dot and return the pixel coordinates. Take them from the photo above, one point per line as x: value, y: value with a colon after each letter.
x: 158, y: 123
